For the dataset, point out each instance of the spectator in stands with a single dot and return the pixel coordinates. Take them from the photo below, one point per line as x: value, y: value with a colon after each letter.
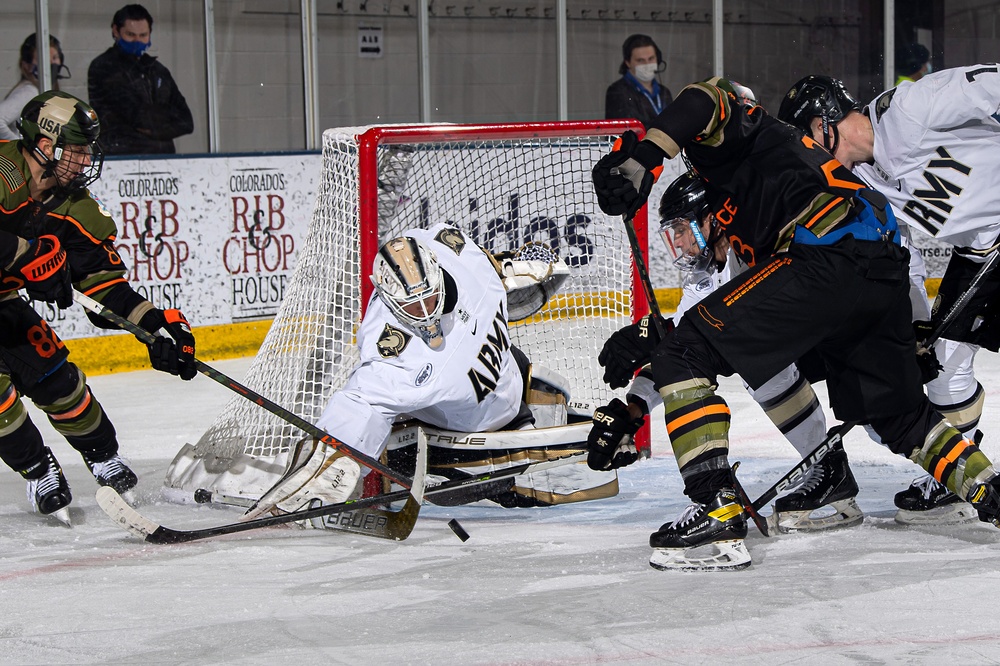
x: 27, y: 87
x: 912, y: 62
x: 140, y: 107
x: 638, y: 94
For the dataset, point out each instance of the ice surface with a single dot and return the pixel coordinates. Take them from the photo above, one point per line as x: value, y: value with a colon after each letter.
x: 557, y: 586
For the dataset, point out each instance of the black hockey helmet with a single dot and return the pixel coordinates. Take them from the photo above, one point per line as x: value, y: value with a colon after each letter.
x: 683, y: 208
x: 817, y: 96
x: 66, y: 121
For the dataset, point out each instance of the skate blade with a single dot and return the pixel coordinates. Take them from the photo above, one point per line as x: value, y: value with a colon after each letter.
x: 845, y: 513
x: 950, y: 514
x: 729, y: 555
x: 62, y: 515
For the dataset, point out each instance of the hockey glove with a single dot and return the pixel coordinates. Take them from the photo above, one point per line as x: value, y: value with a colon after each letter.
x: 624, y: 177
x: 611, y: 444
x: 44, y: 271
x: 927, y: 360
x: 629, y: 349
x: 173, y: 349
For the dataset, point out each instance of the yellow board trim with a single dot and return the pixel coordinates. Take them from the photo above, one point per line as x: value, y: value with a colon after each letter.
x: 123, y: 353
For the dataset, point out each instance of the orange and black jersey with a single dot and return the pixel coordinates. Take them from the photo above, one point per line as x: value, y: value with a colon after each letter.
x: 764, y: 177
x: 82, y: 224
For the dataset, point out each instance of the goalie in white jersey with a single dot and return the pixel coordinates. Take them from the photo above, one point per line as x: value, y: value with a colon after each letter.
x: 434, y: 346
x: 931, y: 147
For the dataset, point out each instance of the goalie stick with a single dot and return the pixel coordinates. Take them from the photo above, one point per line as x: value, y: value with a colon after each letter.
x: 152, y: 532
x: 248, y: 393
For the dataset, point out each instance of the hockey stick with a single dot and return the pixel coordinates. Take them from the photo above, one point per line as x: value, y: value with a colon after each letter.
x: 248, y: 393
x: 963, y: 300
x: 144, y: 528
x: 794, y: 475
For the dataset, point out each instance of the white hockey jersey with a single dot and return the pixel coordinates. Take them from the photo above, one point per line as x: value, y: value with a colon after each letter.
x: 471, y: 383
x: 937, y: 154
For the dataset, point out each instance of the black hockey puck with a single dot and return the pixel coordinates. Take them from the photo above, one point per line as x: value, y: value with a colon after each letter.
x: 202, y: 496
x: 458, y: 530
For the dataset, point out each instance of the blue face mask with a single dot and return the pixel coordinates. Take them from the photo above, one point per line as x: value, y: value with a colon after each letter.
x: 132, y: 48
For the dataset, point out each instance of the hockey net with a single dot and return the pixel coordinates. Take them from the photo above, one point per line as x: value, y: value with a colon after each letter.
x: 504, y: 185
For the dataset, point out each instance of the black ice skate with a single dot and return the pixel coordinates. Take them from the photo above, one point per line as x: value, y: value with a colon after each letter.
x: 705, y: 537
x: 828, y: 484
x: 985, y: 499
x: 49, y: 493
x: 927, y: 502
x: 115, y: 474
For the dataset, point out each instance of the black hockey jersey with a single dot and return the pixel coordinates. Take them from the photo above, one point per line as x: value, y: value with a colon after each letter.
x: 765, y: 177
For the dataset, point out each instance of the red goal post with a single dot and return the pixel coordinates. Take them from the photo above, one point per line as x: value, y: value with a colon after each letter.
x: 503, y: 185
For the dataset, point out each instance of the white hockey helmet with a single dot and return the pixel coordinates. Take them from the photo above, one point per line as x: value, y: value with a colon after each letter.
x: 408, y: 279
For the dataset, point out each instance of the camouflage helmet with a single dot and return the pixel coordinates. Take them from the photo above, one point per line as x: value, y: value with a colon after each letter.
x: 60, y: 117
x: 66, y: 121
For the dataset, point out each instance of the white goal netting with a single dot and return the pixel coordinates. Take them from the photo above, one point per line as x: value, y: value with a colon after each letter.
x: 504, y: 185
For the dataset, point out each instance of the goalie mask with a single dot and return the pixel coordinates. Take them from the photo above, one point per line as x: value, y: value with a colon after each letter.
x: 409, y: 280
x: 820, y: 97
x: 688, y: 229
x: 72, y: 127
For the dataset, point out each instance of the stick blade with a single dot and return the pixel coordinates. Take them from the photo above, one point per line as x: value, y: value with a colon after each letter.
x: 124, y: 515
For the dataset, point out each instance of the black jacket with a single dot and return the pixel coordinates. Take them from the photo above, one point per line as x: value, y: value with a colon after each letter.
x: 624, y: 101
x: 131, y: 94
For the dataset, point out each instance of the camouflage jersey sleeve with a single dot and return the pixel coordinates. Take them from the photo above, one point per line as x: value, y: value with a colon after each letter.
x: 765, y: 177
x: 88, y: 232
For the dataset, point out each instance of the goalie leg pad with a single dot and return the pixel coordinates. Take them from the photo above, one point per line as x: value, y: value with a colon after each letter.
x: 315, y: 473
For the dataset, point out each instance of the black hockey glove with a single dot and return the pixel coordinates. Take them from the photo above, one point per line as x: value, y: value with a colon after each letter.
x: 629, y: 349
x: 927, y: 360
x: 610, y: 444
x: 44, y: 271
x: 173, y: 349
x: 624, y: 177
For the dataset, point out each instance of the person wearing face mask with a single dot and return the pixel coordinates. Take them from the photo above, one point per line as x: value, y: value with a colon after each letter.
x: 638, y: 94
x: 27, y: 87
x: 141, y: 109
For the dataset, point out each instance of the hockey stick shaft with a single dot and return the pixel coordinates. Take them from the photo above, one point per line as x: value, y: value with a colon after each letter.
x: 833, y: 438
x: 963, y: 300
x: 248, y: 393
x: 134, y: 522
x: 644, y: 280
x: 758, y: 520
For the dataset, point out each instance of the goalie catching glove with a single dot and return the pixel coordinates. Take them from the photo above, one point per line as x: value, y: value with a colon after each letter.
x: 316, y: 475
x: 173, y: 349
x: 611, y: 443
x: 629, y: 349
x: 530, y: 276
x: 43, y: 271
x: 624, y: 177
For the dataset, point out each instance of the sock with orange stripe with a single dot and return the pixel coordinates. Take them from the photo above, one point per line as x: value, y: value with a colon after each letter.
x: 954, y: 460
x: 698, y: 426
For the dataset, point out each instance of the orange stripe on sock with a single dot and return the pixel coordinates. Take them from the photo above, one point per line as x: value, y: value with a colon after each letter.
x: 11, y: 399
x: 952, y: 456
x: 64, y: 416
x: 693, y: 416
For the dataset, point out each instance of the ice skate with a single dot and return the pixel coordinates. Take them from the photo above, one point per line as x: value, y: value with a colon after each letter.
x: 985, y: 499
x: 49, y: 494
x: 114, y: 473
x: 705, y: 537
x: 829, y: 485
x: 927, y: 502
x: 315, y: 476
